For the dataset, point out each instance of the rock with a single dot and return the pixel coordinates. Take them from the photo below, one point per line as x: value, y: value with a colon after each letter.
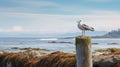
x: 118, y: 64
x: 60, y: 42
x: 33, y: 53
x: 1, y: 52
x: 112, y: 43
x: 95, y: 43
x: 97, y: 53
x: 105, y: 61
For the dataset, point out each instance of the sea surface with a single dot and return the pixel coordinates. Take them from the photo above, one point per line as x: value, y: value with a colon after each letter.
x: 54, y: 44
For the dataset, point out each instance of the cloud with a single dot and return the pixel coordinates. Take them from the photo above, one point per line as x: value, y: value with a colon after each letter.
x: 14, y: 29
x: 104, y: 20
x: 17, y: 29
x: 55, y: 23
x: 29, y: 6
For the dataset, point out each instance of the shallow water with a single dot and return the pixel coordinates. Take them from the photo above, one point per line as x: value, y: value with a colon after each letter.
x: 54, y: 44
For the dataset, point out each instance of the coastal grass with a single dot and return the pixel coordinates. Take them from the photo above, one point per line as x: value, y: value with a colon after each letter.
x: 56, y: 59
x: 111, y: 50
x: 29, y: 48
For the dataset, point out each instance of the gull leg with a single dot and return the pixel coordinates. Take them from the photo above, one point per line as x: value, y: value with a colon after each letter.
x: 82, y: 33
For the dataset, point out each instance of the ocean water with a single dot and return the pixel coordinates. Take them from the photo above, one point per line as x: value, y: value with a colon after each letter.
x: 55, y: 44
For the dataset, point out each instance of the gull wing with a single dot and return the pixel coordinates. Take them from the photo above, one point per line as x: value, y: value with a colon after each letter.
x: 86, y: 27
x: 92, y: 29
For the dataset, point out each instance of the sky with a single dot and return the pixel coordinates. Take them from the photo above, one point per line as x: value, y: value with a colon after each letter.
x: 18, y: 17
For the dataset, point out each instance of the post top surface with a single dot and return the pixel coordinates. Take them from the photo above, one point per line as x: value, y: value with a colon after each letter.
x: 83, y: 40
x: 83, y: 37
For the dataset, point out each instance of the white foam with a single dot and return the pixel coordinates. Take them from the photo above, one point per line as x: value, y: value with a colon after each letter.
x: 49, y: 39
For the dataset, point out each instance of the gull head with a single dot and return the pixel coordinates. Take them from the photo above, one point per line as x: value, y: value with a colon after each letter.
x: 80, y: 21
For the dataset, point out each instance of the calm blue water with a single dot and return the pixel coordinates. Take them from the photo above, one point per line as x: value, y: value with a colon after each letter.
x: 67, y: 46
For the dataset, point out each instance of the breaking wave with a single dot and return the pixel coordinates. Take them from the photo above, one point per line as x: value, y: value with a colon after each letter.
x: 53, y: 39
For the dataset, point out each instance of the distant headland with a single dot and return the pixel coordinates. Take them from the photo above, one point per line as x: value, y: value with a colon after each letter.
x: 111, y: 34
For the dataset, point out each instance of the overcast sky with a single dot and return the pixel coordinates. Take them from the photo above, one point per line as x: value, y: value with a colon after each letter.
x: 57, y: 16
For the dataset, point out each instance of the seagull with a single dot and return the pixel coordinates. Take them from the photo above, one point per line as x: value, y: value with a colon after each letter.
x: 84, y: 28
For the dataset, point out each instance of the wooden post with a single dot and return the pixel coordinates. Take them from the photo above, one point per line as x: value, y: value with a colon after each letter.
x: 83, y: 51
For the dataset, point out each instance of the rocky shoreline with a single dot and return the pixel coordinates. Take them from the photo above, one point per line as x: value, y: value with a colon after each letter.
x: 31, y: 58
